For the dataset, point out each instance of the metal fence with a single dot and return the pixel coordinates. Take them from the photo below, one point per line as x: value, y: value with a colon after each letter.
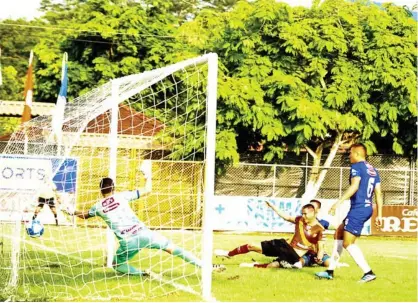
x: 399, y: 185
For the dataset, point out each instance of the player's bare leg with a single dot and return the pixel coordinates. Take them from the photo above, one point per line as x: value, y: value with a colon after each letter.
x: 37, y: 210
x: 54, y: 211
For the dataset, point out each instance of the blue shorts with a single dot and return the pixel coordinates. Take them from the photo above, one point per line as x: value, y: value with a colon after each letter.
x: 144, y: 239
x: 354, y: 222
x: 309, y: 259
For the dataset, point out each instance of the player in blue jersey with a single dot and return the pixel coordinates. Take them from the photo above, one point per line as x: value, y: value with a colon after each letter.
x: 131, y: 232
x: 364, y: 182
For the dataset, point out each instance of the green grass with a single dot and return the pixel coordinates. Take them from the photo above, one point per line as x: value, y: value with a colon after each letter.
x: 66, y: 264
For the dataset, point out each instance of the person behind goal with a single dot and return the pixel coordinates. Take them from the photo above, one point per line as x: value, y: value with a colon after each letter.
x: 47, y: 195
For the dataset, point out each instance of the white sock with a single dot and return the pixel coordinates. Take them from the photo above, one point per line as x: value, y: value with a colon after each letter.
x: 336, y: 254
x: 358, y: 256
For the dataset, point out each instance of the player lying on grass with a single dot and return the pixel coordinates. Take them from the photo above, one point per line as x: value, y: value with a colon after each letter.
x: 131, y: 232
x: 307, y: 242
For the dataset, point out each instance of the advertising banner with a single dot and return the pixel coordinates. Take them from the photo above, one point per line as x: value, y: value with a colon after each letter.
x: 21, y: 178
x: 398, y: 220
x: 251, y: 214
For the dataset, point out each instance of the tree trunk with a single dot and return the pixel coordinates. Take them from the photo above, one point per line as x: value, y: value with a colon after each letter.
x: 318, y: 173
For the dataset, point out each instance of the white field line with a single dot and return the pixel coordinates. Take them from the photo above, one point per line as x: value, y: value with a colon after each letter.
x: 401, y: 257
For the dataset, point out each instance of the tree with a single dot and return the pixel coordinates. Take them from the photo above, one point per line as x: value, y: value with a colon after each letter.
x: 312, y: 79
x: 18, y: 38
x: 104, y: 40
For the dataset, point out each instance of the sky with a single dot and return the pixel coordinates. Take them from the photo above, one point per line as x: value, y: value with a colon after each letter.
x: 29, y: 8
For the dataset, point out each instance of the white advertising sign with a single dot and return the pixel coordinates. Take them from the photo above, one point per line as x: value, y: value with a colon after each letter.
x: 251, y: 214
x: 23, y: 173
x: 22, y: 178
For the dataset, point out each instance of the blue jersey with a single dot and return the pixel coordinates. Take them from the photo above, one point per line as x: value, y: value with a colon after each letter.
x: 369, y: 178
x: 324, y: 223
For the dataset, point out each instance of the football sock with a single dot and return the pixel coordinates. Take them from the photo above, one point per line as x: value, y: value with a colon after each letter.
x: 186, y: 256
x: 56, y: 219
x: 336, y: 254
x: 34, y: 217
x: 358, y: 256
x: 243, y: 249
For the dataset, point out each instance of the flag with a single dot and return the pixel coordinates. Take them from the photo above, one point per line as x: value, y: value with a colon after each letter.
x: 58, y: 115
x: 27, y: 110
x: 1, y: 78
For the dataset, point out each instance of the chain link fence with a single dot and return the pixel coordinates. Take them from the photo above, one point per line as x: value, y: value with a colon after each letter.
x: 399, y: 184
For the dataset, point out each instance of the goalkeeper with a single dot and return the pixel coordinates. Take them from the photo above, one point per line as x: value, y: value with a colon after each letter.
x: 132, y: 234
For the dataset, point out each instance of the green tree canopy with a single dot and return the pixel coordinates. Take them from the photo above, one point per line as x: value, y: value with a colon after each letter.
x: 313, y: 79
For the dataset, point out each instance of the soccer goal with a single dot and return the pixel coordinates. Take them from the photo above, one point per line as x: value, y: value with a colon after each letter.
x: 162, y: 122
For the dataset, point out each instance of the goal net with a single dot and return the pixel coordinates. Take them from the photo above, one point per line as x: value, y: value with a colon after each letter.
x: 160, y: 121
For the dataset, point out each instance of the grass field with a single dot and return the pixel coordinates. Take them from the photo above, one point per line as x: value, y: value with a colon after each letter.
x: 55, y: 267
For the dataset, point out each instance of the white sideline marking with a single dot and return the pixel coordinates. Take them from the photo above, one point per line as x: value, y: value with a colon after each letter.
x: 400, y: 257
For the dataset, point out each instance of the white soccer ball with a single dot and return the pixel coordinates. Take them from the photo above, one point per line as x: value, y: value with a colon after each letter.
x: 35, y: 229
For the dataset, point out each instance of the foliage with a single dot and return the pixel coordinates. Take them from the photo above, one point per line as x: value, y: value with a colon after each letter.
x: 290, y: 78
x: 17, y: 40
x: 302, y: 78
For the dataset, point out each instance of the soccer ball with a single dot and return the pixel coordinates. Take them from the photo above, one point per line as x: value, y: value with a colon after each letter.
x: 35, y: 229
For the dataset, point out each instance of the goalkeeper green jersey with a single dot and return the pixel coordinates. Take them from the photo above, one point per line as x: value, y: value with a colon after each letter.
x: 118, y: 215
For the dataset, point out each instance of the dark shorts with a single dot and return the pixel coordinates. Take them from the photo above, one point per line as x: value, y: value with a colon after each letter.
x: 281, y: 249
x: 354, y: 222
x: 309, y: 259
x: 49, y: 202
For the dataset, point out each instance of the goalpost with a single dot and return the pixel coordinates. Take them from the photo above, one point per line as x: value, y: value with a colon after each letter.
x: 162, y: 120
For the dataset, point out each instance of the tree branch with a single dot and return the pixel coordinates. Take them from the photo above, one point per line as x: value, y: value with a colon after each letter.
x: 311, y: 152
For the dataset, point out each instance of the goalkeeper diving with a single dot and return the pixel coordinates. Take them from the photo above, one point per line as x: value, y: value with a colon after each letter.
x: 131, y: 232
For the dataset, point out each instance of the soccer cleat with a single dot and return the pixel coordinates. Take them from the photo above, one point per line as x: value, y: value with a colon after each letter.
x: 367, y: 278
x: 221, y: 253
x: 218, y: 267
x: 285, y: 264
x: 297, y: 265
x: 247, y: 264
x: 324, y: 275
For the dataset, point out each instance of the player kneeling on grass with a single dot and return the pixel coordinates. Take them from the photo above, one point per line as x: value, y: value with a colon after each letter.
x: 305, y: 248
x: 132, y: 234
